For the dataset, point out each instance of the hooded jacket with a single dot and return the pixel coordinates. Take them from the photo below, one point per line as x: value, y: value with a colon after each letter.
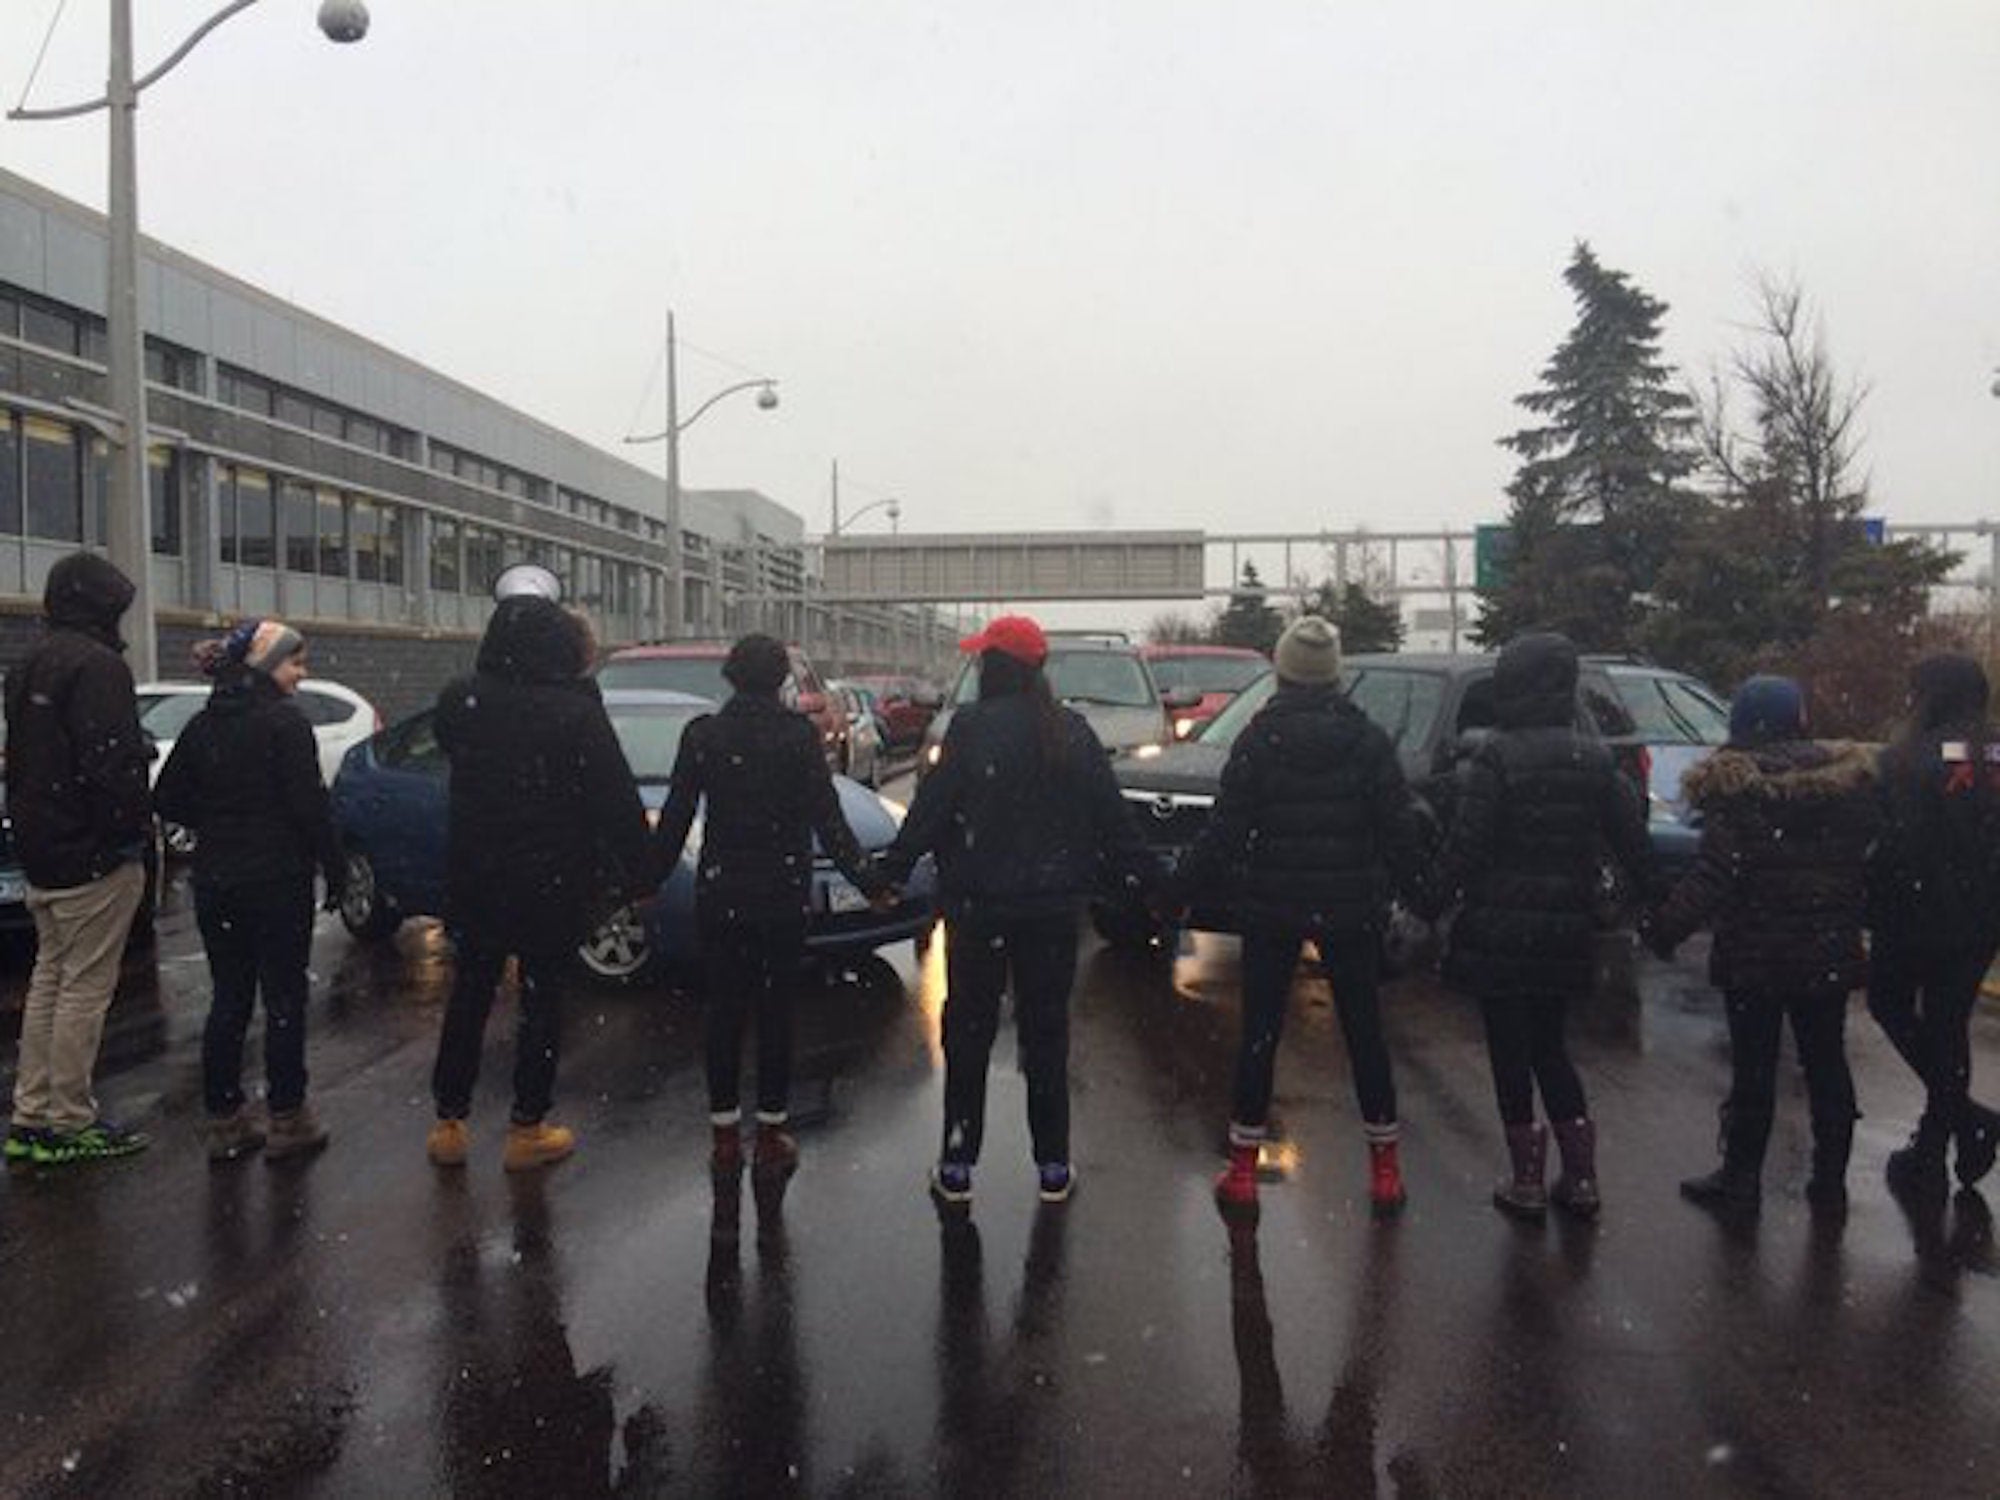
x: 1786, y: 832
x: 1313, y: 829
x: 1934, y: 881
x: 244, y: 776
x: 546, y: 830
x: 76, y: 759
x: 1016, y: 838
x: 1538, y: 806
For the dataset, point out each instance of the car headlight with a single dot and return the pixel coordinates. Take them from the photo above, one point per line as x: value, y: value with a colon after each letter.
x: 1148, y: 751
x: 652, y: 817
x: 1183, y: 728
x: 935, y: 754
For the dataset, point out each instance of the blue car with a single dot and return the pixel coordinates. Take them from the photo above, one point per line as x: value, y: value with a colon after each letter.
x: 389, y: 803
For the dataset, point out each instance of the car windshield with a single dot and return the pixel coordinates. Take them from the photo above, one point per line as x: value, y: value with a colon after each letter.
x: 1225, y: 726
x: 1110, y: 678
x: 165, y: 715
x: 1207, y: 674
x: 1404, y: 702
x: 651, y: 736
x: 699, y: 675
x: 1672, y: 710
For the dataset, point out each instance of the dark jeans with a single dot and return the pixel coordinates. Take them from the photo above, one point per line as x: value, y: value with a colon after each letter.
x: 258, y: 940
x: 1039, y: 956
x: 537, y: 1031
x: 1925, y: 1009
x: 1525, y: 1045
x: 753, y: 969
x: 1354, y: 970
x: 1756, y: 1026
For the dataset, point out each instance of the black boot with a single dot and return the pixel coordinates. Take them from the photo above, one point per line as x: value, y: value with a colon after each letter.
x: 1739, y: 1182
x: 1917, y: 1170
x: 1521, y: 1195
x: 1978, y: 1141
x: 1833, y: 1143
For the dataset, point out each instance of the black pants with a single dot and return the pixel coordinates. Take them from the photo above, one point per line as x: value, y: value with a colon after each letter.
x: 1526, y: 1047
x: 1039, y: 956
x: 1925, y: 1009
x: 1354, y: 970
x: 537, y: 1030
x: 1756, y: 1027
x: 258, y: 940
x: 753, y: 969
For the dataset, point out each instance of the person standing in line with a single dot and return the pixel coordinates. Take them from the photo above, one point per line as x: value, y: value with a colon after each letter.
x: 544, y: 823
x: 1020, y: 809
x: 77, y: 795
x: 244, y: 777
x: 1312, y: 835
x: 755, y: 772
x: 1934, y: 897
x: 1787, y: 825
x: 1537, y: 804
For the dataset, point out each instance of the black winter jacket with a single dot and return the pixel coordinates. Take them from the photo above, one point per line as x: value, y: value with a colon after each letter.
x: 1785, y: 838
x: 76, y: 760
x: 1934, y: 881
x: 546, y: 829
x: 1016, y: 838
x: 1313, y: 828
x: 1538, y: 807
x: 757, y: 771
x: 244, y: 776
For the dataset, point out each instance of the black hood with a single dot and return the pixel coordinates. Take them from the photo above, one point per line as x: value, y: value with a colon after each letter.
x: 1947, y: 690
x: 1534, y: 682
x: 86, y: 592
x: 531, y: 640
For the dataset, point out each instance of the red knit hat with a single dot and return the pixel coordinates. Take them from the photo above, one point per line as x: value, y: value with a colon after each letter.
x: 1013, y: 635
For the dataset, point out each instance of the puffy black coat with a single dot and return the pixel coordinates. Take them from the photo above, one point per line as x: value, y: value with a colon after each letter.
x: 1016, y: 837
x: 1538, y: 807
x: 76, y: 760
x: 1313, y: 828
x: 757, y: 772
x: 546, y: 828
x: 244, y: 776
x: 1786, y: 833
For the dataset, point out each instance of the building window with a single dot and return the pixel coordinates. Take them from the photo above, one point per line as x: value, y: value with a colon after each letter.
x: 332, y: 535
x: 10, y: 314
x: 363, y: 433
x: 54, y: 477
x: 244, y: 392
x: 389, y: 543
x: 293, y: 409
x: 170, y: 366
x: 163, y: 491
x: 44, y: 325
x: 482, y: 560
x: 10, y: 465
x: 256, y: 520
x: 97, y: 490
x: 445, y: 573
x: 295, y: 513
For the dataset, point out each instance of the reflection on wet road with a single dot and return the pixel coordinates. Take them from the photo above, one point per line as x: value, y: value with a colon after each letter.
x: 359, y: 1324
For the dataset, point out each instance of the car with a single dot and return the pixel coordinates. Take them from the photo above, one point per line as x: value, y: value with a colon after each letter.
x: 696, y: 667
x: 1103, y: 678
x: 1218, y: 673
x: 1425, y: 703
x: 15, y: 918
x: 340, y: 717
x: 390, y: 805
x: 907, y: 707
x: 867, y: 748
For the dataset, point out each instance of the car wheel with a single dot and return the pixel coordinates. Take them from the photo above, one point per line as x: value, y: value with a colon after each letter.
x: 364, y: 911
x: 620, y: 950
x: 1128, y: 928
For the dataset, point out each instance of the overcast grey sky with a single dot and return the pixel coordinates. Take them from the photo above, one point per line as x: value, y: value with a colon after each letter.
x: 1049, y: 264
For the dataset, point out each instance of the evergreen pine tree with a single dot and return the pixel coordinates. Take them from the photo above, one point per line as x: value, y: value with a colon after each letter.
x: 1249, y: 620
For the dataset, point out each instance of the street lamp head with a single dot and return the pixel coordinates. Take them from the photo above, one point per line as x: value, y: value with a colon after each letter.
x: 767, y: 397
x: 343, y: 20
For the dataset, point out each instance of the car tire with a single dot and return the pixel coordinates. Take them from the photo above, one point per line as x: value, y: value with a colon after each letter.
x: 364, y: 911
x: 1129, y: 929
x: 619, y: 950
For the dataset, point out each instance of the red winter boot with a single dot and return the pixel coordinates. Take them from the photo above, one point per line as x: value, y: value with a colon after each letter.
x: 725, y: 1157
x: 1236, y: 1189
x: 1385, y: 1173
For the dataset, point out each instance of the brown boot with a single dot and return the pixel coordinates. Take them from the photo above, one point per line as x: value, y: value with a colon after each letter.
x: 777, y: 1155
x: 294, y: 1132
x: 233, y: 1136
x: 536, y: 1145
x: 725, y: 1152
x: 449, y: 1143
x: 1521, y: 1194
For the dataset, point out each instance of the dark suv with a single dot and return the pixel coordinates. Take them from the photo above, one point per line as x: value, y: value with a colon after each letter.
x: 1657, y: 723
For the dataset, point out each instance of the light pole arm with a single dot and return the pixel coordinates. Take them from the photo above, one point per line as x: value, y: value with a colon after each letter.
x: 847, y: 521
x: 140, y: 85
x: 695, y: 415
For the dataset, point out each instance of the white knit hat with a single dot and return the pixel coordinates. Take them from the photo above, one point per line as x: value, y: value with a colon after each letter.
x: 1309, y: 651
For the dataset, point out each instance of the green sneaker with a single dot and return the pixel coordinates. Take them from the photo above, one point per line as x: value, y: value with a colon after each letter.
x: 21, y: 1142
x: 98, y: 1141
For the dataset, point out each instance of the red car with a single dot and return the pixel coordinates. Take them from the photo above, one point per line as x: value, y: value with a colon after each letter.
x: 907, y: 707
x: 696, y: 667
x: 1218, y: 673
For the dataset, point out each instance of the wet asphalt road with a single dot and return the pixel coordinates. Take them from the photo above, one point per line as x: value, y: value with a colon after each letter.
x: 364, y: 1325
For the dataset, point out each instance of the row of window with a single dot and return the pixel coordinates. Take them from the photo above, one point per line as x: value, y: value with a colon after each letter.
x: 295, y: 408
x: 50, y: 471
x: 270, y: 521
x: 81, y: 335
x: 466, y: 558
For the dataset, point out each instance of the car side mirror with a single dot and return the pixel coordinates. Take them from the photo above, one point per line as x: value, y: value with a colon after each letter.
x: 1181, y: 697
x: 811, y: 703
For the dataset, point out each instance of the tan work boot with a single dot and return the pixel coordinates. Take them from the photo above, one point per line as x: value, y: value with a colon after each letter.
x: 450, y: 1143
x: 537, y: 1145
x: 294, y: 1132
x: 233, y: 1136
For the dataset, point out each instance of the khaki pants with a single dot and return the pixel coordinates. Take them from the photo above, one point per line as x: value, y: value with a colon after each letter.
x: 80, y: 936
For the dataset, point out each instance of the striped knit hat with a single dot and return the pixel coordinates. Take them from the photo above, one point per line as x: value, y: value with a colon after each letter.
x: 260, y: 645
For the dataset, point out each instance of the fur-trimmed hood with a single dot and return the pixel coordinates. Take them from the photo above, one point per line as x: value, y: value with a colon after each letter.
x: 1790, y: 771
